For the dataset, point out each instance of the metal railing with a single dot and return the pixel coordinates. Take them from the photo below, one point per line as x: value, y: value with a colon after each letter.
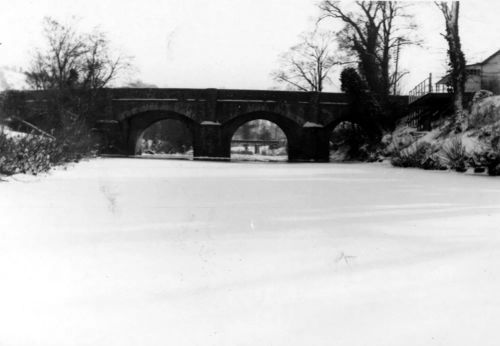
x: 427, y: 87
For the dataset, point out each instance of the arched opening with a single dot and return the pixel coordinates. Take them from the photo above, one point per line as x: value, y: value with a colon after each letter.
x: 259, y: 140
x: 348, y: 142
x: 166, y: 138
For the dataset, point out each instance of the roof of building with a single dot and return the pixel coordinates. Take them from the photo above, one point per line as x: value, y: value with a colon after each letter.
x: 489, y: 58
x: 446, y: 78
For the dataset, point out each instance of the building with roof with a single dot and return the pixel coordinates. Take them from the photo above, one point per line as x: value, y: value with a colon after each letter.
x: 483, y: 75
x: 430, y: 102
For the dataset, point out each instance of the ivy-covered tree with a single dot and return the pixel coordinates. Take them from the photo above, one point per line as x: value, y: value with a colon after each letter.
x: 372, y: 32
x: 456, y: 56
x: 364, y: 109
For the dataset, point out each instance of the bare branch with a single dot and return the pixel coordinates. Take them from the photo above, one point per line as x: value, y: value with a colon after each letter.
x: 372, y: 31
x: 74, y: 60
x: 307, y: 65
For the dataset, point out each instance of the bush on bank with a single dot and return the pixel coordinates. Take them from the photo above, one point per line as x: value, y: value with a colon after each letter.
x: 418, y: 155
x: 456, y: 155
x: 477, y: 148
x: 27, y: 154
x: 34, y: 154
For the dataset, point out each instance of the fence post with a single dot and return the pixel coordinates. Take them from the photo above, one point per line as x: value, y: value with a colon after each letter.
x: 430, y: 82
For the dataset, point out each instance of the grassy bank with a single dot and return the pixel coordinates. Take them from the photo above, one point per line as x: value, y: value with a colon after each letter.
x: 477, y: 148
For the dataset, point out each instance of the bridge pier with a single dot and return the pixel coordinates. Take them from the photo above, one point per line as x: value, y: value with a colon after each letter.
x: 312, y: 146
x: 208, y: 143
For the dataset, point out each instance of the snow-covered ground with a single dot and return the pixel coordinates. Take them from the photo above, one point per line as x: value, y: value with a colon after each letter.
x: 258, y: 157
x: 234, y: 157
x: 151, y: 252
x: 9, y: 133
x: 12, y: 77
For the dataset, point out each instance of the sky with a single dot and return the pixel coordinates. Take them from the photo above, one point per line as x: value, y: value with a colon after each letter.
x: 226, y: 43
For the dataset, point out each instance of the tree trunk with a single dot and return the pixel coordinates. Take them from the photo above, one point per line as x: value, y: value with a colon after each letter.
x: 457, y: 60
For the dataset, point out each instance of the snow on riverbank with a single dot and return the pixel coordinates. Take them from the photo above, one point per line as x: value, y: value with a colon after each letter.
x: 9, y: 133
x: 152, y: 252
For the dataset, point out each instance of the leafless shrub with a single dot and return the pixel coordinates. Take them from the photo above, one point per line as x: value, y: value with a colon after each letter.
x: 412, y: 156
x: 455, y: 155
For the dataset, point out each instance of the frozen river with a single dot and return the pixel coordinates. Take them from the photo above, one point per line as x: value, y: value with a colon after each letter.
x: 118, y: 252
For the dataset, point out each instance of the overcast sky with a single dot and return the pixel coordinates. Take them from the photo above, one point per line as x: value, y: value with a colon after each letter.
x: 225, y: 43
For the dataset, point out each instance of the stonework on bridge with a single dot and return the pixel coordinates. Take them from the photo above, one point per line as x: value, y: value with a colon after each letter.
x: 214, y: 115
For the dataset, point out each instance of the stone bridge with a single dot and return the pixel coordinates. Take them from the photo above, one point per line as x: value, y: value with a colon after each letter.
x: 214, y: 115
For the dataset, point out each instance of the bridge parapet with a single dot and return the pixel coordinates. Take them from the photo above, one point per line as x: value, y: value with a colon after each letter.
x: 222, y: 94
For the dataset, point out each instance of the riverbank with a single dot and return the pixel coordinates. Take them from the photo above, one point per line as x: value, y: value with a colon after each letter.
x: 475, y: 147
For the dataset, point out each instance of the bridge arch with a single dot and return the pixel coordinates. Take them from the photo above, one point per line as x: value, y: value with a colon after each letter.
x: 290, y: 128
x: 347, y: 136
x: 370, y: 127
x: 333, y: 124
x: 135, y: 110
x: 136, y: 123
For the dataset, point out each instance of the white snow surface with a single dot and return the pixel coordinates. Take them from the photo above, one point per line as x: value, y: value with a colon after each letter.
x: 210, y: 123
x: 152, y: 252
x: 312, y: 124
x: 9, y: 133
x: 12, y: 78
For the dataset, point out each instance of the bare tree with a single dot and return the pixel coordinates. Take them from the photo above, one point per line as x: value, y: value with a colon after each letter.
x: 456, y: 56
x: 373, y: 31
x: 38, y: 77
x: 99, y: 67
x: 73, y: 60
x: 73, y: 66
x: 307, y: 65
x: 58, y: 66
